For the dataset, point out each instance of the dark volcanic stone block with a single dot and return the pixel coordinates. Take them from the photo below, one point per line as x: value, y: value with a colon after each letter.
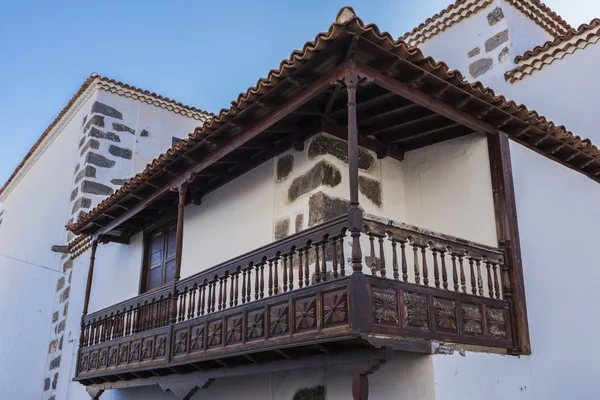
x: 322, y: 208
x: 104, y: 109
x: 496, y: 40
x: 495, y: 16
x: 55, y: 363
x: 322, y: 173
x: 324, y: 144
x: 316, y: 393
x: 371, y: 188
x: 99, y: 160
x: 96, y: 188
x: 299, y: 222
x: 91, y: 144
x: 480, y: 67
x: 113, y: 137
x: 97, y: 120
x: 282, y: 228
x: 118, y: 182
x: 82, y: 202
x: 120, y: 152
x: 87, y: 172
x: 122, y: 128
x: 285, y: 165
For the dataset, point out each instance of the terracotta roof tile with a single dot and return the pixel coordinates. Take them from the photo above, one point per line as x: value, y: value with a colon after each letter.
x: 120, y: 89
x: 556, y: 49
x: 351, y: 26
x: 461, y: 9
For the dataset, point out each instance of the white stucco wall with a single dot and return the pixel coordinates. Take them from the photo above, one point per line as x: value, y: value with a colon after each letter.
x: 559, y: 225
x: 34, y: 216
x: 565, y: 92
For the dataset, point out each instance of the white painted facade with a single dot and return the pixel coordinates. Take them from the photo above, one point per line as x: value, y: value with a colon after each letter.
x: 36, y: 299
x: 445, y: 188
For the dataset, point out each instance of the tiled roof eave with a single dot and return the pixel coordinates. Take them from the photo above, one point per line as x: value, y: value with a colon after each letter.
x: 528, y: 121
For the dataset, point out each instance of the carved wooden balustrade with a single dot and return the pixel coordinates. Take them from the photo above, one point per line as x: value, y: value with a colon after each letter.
x: 298, y: 296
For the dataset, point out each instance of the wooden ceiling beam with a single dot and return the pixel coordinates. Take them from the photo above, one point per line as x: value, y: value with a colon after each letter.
x: 417, y: 135
x: 404, y: 124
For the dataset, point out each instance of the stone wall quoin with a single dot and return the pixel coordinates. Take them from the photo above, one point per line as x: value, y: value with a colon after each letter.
x: 312, y: 185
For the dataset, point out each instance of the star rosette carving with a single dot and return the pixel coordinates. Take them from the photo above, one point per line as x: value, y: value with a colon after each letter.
x: 112, y: 356
x: 123, y: 354
x: 94, y: 360
x: 84, y: 363
x: 103, y: 358
x: 161, y: 347
x: 496, y: 323
x: 181, y: 342
x: 234, y: 329
x: 472, y: 319
x: 147, y: 349
x: 214, y: 334
x: 197, y: 339
x: 416, y: 311
x: 335, y: 308
x: 385, y: 307
x: 305, y: 314
x: 256, y: 325
x: 278, y: 320
x: 445, y: 314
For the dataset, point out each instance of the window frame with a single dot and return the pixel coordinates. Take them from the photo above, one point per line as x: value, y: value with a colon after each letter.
x: 148, y: 234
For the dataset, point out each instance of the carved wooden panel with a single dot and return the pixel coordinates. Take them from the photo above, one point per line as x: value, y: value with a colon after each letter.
x: 305, y: 314
x: 215, y: 334
x: 445, y: 315
x: 180, y: 342
x: 278, y: 319
x: 112, y: 356
x: 134, y: 351
x: 416, y: 311
x: 496, y: 323
x: 335, y: 308
x: 234, y: 329
x: 197, y: 338
x: 84, y: 362
x: 160, y: 347
x: 471, y: 319
x: 103, y: 358
x: 255, y: 326
x: 93, y: 360
x: 385, y: 307
x: 123, y: 353
x: 147, y: 345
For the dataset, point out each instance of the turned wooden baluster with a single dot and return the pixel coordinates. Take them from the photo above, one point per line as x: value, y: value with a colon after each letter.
x: 276, y: 277
x: 192, y: 301
x: 225, y: 280
x: 463, y: 279
x: 231, y: 289
x: 334, y: 258
x: 416, y: 264
x: 256, y: 274
x: 444, y: 269
x: 291, y: 271
x: 214, y: 294
x: 324, y: 262
x: 270, y: 278
x: 404, y: 263
x: 136, y: 313
x: 395, y: 261
x: 473, y: 279
x: 373, y: 263
x: 201, y: 300
x: 220, y: 302
x: 237, y: 285
x: 436, y: 271
x: 209, y: 300
x: 479, y: 278
x: 182, y: 299
x: 382, y: 271
x: 317, y: 264
x: 248, y: 289
x: 285, y: 273
x: 496, y: 285
x: 243, y: 286
x: 490, y: 283
x: 300, y: 269
x: 262, y: 279
x: 425, y: 270
x: 306, y: 267
x: 342, y: 259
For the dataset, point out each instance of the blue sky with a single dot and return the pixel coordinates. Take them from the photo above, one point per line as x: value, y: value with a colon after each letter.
x: 201, y: 53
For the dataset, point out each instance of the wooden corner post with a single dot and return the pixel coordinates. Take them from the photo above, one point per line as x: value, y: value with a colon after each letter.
x: 355, y: 217
x: 178, y: 249
x: 507, y: 230
x: 88, y: 289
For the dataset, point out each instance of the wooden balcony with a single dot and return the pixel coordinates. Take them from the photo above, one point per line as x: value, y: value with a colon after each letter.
x: 299, y: 297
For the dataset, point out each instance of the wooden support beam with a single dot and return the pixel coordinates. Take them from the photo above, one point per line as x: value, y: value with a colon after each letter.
x: 252, y: 131
x: 507, y: 230
x: 414, y: 95
x: 412, y: 136
x: 405, y: 124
